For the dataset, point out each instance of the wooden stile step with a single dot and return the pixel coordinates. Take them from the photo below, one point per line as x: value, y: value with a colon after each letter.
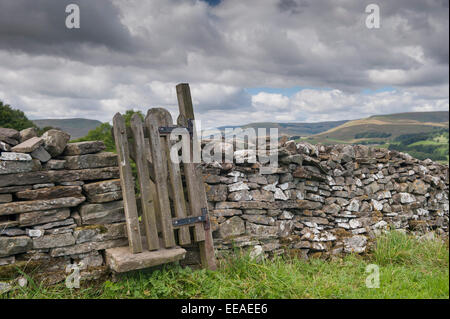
x: 121, y: 259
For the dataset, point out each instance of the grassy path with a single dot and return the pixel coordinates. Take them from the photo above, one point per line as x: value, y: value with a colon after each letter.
x: 409, y: 268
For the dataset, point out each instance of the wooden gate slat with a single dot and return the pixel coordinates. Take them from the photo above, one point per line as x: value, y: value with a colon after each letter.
x: 178, y: 199
x: 152, y: 121
x: 127, y: 184
x: 194, y: 181
x: 147, y: 200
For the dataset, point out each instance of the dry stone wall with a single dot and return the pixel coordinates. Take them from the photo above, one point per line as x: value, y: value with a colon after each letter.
x: 325, y: 200
x: 60, y: 203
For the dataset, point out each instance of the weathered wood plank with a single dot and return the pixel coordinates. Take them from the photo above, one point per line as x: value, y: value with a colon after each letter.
x: 194, y: 181
x: 127, y: 184
x: 120, y: 260
x: 179, y: 202
x: 153, y: 120
x: 147, y: 200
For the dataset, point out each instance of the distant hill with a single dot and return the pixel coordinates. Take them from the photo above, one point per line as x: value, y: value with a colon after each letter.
x: 381, y: 129
x: 292, y: 129
x: 76, y: 127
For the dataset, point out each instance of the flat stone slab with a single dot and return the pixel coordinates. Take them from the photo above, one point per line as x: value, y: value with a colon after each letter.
x: 13, y: 167
x: 43, y: 217
x: 106, y: 159
x: 50, y: 192
x: 9, y: 136
x: 5, y: 198
x: 34, y: 205
x: 15, y: 156
x: 41, y: 154
x: 28, y: 146
x: 81, y: 148
x: 41, y: 177
x: 102, y: 187
x: 120, y: 259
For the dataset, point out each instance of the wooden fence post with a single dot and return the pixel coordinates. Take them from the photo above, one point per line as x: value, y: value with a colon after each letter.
x: 127, y: 184
x: 194, y: 181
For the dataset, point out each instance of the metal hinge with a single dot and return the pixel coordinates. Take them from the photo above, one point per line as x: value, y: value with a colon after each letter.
x: 203, y: 218
x: 166, y: 130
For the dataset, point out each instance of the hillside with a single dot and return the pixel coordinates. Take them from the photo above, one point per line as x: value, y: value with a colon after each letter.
x: 293, y: 129
x: 76, y: 127
x: 380, y: 129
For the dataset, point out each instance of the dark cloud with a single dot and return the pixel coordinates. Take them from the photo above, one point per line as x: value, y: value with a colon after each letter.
x: 132, y: 53
x: 38, y: 27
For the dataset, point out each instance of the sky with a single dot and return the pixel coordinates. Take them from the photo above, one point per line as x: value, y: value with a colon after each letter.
x: 245, y: 61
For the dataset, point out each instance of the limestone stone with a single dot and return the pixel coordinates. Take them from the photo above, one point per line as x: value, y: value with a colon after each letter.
x: 261, y: 230
x: 88, y: 247
x: 354, y: 205
x: 99, y: 233
x: 91, y: 259
x: 59, y: 176
x: 43, y: 217
x: 240, y: 196
x: 403, y: 198
x: 41, y: 154
x: 105, y: 197
x: 98, y: 160
x: 50, y: 192
x: 102, y: 187
x: 74, y: 183
x: 226, y: 212
x: 14, y: 245
x: 418, y: 187
x: 50, y: 225
x: 39, y: 186
x: 239, y: 186
x: 54, y: 164
x: 82, y: 148
x: 7, y: 261
x: 27, y: 133
x: 232, y: 227
x: 34, y: 205
x: 261, y: 195
x: 28, y: 146
x: 355, y: 244
x: 279, y: 194
x: 377, y: 205
x: 15, y: 156
x: 4, y: 147
x: 13, y: 167
x: 11, y: 232
x: 35, y: 233
x: 286, y: 215
x: 259, y: 219
x: 216, y: 193
x: 55, y: 141
x: 5, y: 198
x: 9, y: 135
x: 105, y: 213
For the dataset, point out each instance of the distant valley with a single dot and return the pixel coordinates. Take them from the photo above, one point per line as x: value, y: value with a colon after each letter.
x: 76, y: 127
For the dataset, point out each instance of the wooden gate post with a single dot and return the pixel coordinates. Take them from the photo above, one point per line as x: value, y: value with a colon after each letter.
x: 126, y: 181
x: 194, y: 180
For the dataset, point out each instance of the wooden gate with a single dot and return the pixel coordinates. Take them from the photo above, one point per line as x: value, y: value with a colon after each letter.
x: 173, y: 205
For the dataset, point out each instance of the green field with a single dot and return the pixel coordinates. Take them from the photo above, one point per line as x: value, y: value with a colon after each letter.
x: 422, y: 134
x: 408, y: 268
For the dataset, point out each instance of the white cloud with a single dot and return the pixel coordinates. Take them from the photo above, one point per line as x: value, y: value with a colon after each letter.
x: 131, y: 54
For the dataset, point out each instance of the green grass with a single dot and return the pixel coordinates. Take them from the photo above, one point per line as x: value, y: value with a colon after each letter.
x: 409, y: 268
